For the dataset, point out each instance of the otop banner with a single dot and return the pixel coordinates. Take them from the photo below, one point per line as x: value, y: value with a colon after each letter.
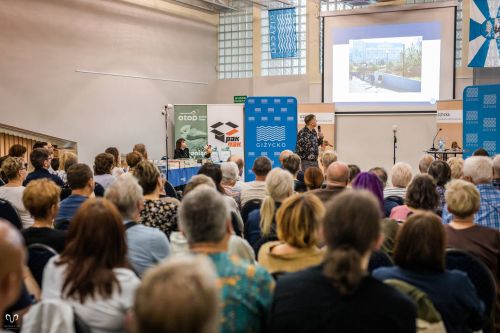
x: 191, y: 125
x: 225, y: 130
x: 270, y: 128
x: 481, y: 105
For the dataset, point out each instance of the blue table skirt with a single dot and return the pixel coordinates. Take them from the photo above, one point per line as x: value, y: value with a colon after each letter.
x: 178, y: 177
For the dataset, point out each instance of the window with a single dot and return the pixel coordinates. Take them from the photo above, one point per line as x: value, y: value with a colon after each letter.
x: 235, y: 44
x: 286, y: 66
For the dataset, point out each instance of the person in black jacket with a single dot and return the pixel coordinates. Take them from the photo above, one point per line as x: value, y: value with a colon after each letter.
x: 181, y: 149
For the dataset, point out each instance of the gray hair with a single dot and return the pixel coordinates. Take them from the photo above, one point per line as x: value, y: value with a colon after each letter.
x: 198, y: 180
x: 479, y: 169
x: 401, y: 174
x: 230, y: 171
x: 203, y: 215
x: 328, y: 157
x: 125, y: 192
x: 425, y: 162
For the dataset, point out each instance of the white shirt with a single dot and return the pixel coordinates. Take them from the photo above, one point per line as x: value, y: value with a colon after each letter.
x: 253, y: 190
x: 105, y: 180
x: 14, y: 195
x: 102, y: 315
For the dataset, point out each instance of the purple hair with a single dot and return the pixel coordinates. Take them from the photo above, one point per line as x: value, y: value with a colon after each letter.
x: 370, y: 182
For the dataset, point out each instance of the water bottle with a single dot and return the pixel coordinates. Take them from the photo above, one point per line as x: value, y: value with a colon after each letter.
x: 441, y: 144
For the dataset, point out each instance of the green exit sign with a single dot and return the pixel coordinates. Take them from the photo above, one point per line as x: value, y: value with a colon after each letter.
x: 240, y: 99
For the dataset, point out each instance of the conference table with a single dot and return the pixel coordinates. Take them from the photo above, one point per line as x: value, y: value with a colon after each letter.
x: 444, y: 154
x: 181, y: 176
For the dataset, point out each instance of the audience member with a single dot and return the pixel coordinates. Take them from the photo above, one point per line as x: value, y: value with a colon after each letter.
x: 92, y: 274
x: 257, y: 189
x: 41, y: 199
x: 354, y: 170
x: 283, y: 155
x: 117, y: 170
x: 313, y: 178
x: 230, y: 176
x: 54, y: 164
x: 187, y: 287
x: 456, y: 165
x: 328, y: 158
x: 133, y: 159
x: 496, y: 172
x: 40, y: 159
x: 441, y: 172
x: 420, y: 261
x: 241, y: 165
x: 401, y: 175
x: 81, y: 182
x: 103, y: 165
x: 381, y: 173
x: 181, y: 149
x: 292, y: 165
x: 146, y: 246
x: 298, y: 223
x: 479, y: 171
x: 160, y: 213
x: 141, y: 149
x: 421, y: 196
x: 339, y: 294
x: 67, y: 159
x: 14, y: 170
x: 425, y: 162
x: 261, y: 223
x: 337, y: 177
x: 245, y: 289
x: 389, y: 203
x: 481, y: 152
x: 16, y: 150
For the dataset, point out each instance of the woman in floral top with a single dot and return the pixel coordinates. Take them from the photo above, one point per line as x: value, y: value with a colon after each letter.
x: 158, y: 212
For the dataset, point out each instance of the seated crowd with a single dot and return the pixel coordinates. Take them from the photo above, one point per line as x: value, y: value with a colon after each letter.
x: 109, y: 248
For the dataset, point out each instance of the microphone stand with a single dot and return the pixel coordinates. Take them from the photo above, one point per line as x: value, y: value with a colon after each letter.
x: 395, y: 145
x: 434, y: 140
x: 166, y: 138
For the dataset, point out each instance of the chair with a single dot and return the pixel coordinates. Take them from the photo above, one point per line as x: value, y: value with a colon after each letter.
x: 62, y: 224
x: 9, y: 213
x: 99, y: 190
x: 170, y: 190
x: 38, y: 256
x: 236, y: 228
x: 248, y: 207
x: 379, y: 259
x: 480, y: 276
x: 397, y: 199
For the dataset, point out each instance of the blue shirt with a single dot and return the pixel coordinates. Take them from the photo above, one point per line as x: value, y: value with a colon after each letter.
x: 146, y: 247
x: 40, y: 174
x: 489, y: 209
x: 451, y: 292
x: 68, y: 208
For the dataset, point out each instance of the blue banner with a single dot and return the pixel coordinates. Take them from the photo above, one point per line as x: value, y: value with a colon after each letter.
x: 270, y: 128
x: 481, y: 112
x: 484, y: 33
x: 283, y: 33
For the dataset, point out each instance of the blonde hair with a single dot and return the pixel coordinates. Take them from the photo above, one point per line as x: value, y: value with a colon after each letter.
x: 456, y: 165
x: 11, y: 167
x: 401, y: 174
x: 69, y: 158
x: 279, y: 186
x: 39, y: 197
x: 147, y: 175
x: 298, y: 220
x: 463, y: 198
x: 327, y: 158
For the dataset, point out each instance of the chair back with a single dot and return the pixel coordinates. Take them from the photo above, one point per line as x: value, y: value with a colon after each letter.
x: 249, y: 207
x: 170, y: 190
x: 379, y: 259
x: 396, y: 199
x: 38, y: 257
x: 9, y: 213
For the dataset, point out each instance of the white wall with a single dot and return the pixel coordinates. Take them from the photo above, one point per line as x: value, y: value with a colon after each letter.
x: 42, y: 43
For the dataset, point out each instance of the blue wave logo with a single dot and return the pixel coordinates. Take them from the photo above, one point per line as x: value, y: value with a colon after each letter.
x: 271, y: 133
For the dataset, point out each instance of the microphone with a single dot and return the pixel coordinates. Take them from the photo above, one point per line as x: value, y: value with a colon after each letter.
x: 434, y: 140
x: 319, y: 128
x: 394, y: 130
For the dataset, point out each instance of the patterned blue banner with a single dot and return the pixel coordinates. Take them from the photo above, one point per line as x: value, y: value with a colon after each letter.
x: 484, y: 33
x: 270, y: 128
x: 481, y: 113
x: 283, y: 33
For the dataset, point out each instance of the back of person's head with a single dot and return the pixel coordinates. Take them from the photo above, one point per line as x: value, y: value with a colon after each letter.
x: 95, y: 245
x: 203, y: 216
x: 133, y: 159
x: 239, y: 162
x: 116, y: 155
x: 401, y: 174
x: 12, y: 257
x: 126, y: 194
x: 67, y: 160
x: 351, y: 229
x: 40, y: 144
x: 41, y: 198
x: 198, y: 180
x: 292, y: 164
x: 11, y: 167
x: 420, y: 244
x: 440, y: 171
x: 424, y: 163
x: 78, y: 176
x: 462, y: 198
x: 456, y: 166
x: 422, y: 193
x: 381, y: 173
x: 141, y: 149
x: 103, y: 164
x: 54, y: 163
x: 230, y: 171
x: 262, y: 166
x: 39, y: 157
x: 17, y: 150
x: 284, y: 154
x: 213, y: 171
x: 328, y: 158
x: 313, y: 178
x: 187, y: 287
x: 481, y: 152
x: 496, y: 166
x: 354, y: 170
x: 370, y: 182
x: 478, y: 169
x: 337, y: 174
x: 298, y: 220
x: 147, y: 175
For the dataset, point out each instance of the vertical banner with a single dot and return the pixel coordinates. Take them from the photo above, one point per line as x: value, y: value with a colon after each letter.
x: 450, y: 119
x: 481, y: 112
x: 325, y: 116
x: 484, y: 33
x: 283, y: 33
x: 270, y: 128
x: 225, y: 130
x: 191, y: 125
